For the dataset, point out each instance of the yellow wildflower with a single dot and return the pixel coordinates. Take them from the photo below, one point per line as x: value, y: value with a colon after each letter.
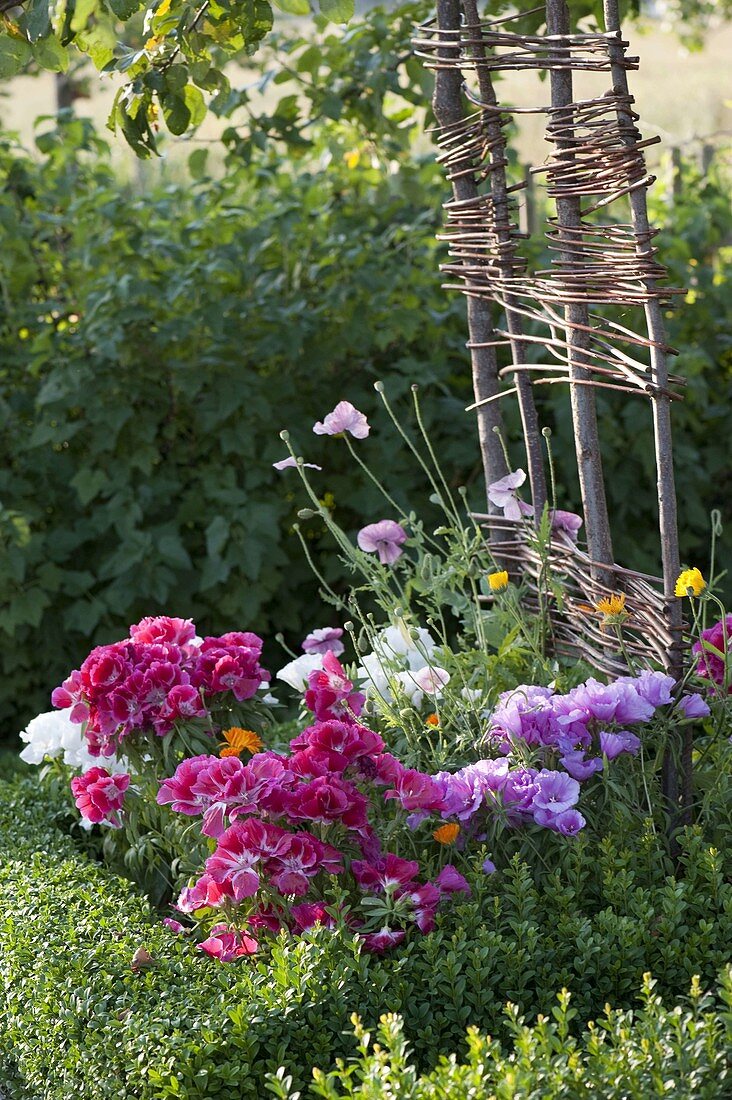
x: 447, y: 834
x: 238, y: 740
x: 498, y: 581
x: 690, y: 579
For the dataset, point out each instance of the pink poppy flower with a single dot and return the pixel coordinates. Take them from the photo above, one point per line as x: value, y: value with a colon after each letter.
x: 290, y: 463
x: 502, y: 493
x: 343, y: 418
x: 384, y: 538
x: 99, y: 795
x: 327, y: 639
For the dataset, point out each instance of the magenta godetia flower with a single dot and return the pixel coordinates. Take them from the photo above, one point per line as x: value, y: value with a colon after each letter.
x: 99, y: 795
x: 344, y: 418
x: 330, y: 693
x: 384, y: 538
x: 710, y: 661
x: 227, y: 944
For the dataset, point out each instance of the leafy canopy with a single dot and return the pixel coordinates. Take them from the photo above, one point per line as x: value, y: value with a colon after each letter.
x: 169, y: 56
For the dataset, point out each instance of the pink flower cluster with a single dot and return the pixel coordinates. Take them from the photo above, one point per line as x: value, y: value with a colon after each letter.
x: 266, y: 816
x: 99, y: 795
x: 162, y: 674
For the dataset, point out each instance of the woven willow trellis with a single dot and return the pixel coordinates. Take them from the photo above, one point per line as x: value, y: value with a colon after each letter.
x: 595, y: 174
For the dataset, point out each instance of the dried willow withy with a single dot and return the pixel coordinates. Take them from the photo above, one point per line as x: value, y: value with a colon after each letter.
x: 596, y: 160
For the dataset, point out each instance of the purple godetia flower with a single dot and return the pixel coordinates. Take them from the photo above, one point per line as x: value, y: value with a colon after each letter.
x: 556, y: 792
x: 291, y: 463
x: 344, y: 418
x: 569, y: 522
x: 376, y: 943
x: 567, y: 823
x: 326, y: 639
x: 693, y: 706
x: 578, y: 766
x: 450, y: 881
x: 615, y: 743
x: 489, y: 867
x: 384, y: 538
x: 502, y: 493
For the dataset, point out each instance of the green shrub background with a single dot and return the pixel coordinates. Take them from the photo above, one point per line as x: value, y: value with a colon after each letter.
x: 154, y: 344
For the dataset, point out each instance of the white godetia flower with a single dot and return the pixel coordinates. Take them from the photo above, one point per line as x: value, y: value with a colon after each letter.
x: 54, y: 734
x: 296, y: 672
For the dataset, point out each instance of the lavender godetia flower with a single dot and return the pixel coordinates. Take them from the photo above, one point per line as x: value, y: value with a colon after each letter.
x: 324, y: 640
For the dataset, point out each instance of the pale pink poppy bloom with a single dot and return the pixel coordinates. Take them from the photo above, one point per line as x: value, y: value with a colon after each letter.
x: 344, y: 418
x: 326, y: 639
x: 502, y: 493
x: 290, y: 463
x: 384, y: 538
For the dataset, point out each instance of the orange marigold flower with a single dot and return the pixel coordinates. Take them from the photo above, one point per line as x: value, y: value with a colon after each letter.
x: 432, y: 720
x: 238, y: 740
x: 447, y: 834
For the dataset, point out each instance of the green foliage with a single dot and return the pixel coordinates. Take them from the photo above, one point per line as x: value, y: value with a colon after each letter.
x: 76, y: 1019
x: 652, y: 1051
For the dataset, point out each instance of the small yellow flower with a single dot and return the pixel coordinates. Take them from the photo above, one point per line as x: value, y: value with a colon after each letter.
x: 690, y: 579
x: 612, y: 610
x: 432, y: 720
x: 238, y: 740
x: 447, y: 834
x: 352, y: 158
x: 498, y: 581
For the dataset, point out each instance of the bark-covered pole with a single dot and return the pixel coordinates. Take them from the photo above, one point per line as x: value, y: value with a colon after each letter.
x: 584, y: 414
x: 504, y: 263
x: 447, y: 104
x: 667, y: 513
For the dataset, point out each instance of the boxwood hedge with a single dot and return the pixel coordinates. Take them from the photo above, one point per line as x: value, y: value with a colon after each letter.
x: 77, y: 1020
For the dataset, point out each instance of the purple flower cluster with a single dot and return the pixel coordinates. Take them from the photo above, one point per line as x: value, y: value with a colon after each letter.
x: 162, y: 674
x: 568, y: 736
x: 265, y: 816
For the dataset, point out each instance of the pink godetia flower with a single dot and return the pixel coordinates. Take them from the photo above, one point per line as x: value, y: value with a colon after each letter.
x: 344, y: 418
x: 425, y: 900
x: 693, y: 706
x: 330, y: 693
x: 329, y: 799
x: 237, y: 853
x: 178, y: 789
x: 175, y: 926
x: 298, y: 860
x: 450, y: 881
x: 376, y: 943
x: 227, y: 944
x: 332, y: 746
x: 502, y: 493
x: 163, y: 628
x: 384, y: 538
x: 99, y: 795
x: 326, y: 639
x: 291, y: 462
x: 417, y: 791
x: 615, y: 743
x: 385, y: 873
x: 309, y: 915
x: 710, y: 651
x: 204, y: 894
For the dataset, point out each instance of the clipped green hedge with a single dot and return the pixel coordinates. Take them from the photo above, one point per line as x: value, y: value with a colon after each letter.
x: 652, y: 1052
x: 76, y: 1020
